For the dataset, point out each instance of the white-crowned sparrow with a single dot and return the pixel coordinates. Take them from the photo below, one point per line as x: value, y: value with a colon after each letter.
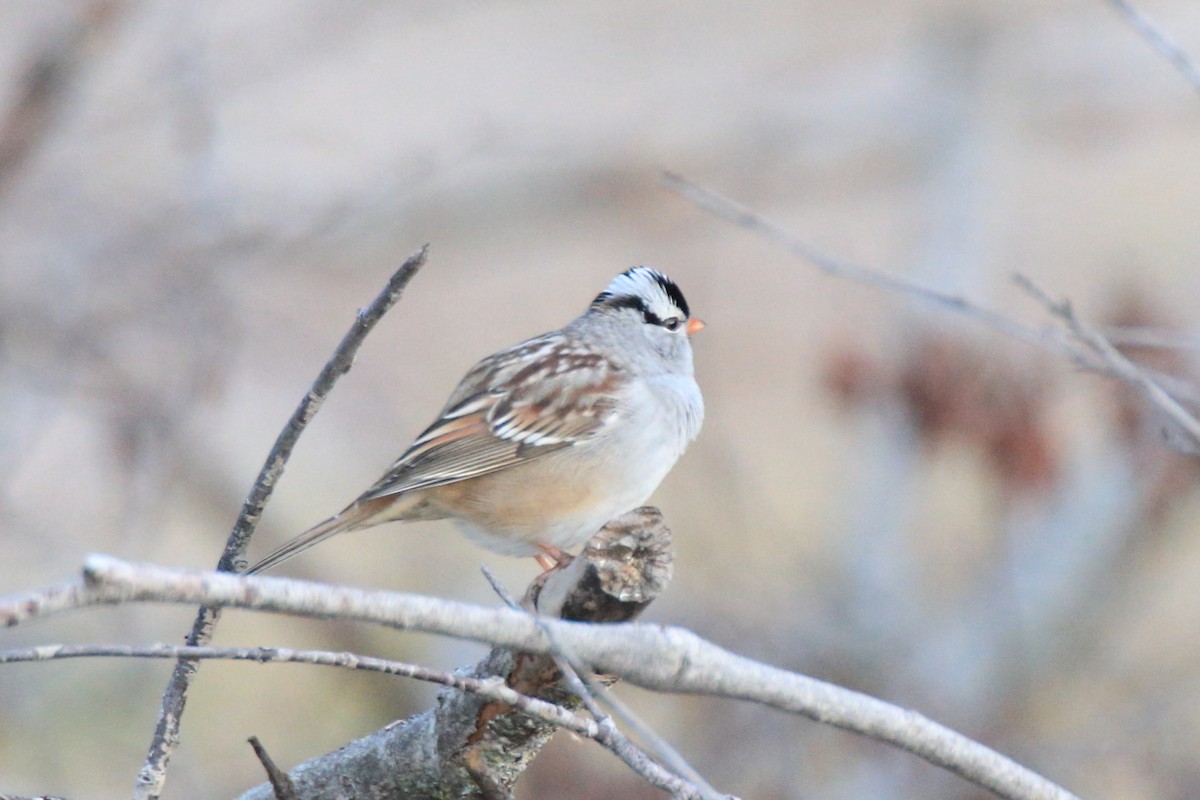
x: 544, y: 442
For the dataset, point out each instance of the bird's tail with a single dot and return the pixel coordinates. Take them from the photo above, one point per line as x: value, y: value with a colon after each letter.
x: 353, y: 517
x: 359, y: 514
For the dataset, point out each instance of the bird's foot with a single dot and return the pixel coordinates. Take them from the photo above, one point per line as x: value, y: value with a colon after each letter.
x: 551, y: 557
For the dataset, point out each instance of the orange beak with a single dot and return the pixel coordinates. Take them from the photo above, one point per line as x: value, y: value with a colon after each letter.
x: 695, y: 325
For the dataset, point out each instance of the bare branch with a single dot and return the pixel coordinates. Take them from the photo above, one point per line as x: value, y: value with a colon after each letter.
x: 1117, y: 363
x: 495, y: 690
x: 1159, y: 40
x: 1139, y: 336
x: 152, y: 776
x: 1071, y: 345
x: 470, y: 746
x: 732, y: 211
x: 662, y: 658
x: 685, y: 782
x: 280, y: 782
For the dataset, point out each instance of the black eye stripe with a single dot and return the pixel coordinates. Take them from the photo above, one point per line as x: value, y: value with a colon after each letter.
x: 623, y: 301
x: 636, y: 303
x: 627, y: 301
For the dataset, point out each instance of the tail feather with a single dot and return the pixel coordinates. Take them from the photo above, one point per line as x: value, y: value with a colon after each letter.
x: 359, y: 514
x: 314, y: 535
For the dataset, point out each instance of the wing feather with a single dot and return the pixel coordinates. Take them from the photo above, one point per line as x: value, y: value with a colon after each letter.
x: 544, y: 396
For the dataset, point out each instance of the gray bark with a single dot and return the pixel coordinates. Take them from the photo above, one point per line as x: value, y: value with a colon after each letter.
x: 471, y: 747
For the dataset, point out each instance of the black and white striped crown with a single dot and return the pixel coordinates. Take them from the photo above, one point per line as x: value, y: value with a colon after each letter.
x: 646, y: 290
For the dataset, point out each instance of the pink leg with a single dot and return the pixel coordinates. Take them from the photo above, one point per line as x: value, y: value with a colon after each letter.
x: 551, y: 557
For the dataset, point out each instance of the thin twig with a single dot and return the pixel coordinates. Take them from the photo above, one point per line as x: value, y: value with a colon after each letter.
x: 1160, y: 41
x: 1069, y: 344
x: 1119, y: 365
x: 281, y: 784
x: 685, y: 782
x: 152, y: 776
x: 1140, y: 336
x: 657, y: 657
x: 492, y: 689
x: 743, y: 216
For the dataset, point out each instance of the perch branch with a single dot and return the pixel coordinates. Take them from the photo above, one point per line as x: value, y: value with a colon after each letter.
x: 469, y: 746
x: 684, y: 782
x: 662, y: 658
x: 153, y: 774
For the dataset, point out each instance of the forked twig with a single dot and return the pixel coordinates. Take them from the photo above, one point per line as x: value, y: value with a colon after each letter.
x: 152, y: 776
x: 684, y: 782
x: 1118, y: 364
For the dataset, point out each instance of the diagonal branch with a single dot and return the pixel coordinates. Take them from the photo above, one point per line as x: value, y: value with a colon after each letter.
x: 1138, y: 336
x: 1117, y: 363
x: 1079, y: 345
x: 1159, y: 40
x: 743, y: 216
x: 153, y: 774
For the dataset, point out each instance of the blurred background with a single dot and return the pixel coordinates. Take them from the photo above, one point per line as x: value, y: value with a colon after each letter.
x: 195, y: 198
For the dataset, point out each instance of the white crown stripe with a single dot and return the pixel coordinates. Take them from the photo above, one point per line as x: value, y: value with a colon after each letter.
x: 647, y: 284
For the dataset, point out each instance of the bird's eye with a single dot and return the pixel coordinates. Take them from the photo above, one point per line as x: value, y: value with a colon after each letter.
x: 672, y: 323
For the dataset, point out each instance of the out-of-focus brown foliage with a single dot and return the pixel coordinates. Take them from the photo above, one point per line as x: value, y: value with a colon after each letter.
x: 955, y: 389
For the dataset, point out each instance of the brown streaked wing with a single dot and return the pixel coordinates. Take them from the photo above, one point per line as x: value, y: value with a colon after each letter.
x: 493, y: 430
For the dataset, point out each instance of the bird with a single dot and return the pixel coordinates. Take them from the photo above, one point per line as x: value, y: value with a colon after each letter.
x: 542, y: 443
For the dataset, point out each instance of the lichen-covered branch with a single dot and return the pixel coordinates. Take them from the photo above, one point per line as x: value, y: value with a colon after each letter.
x: 472, y: 745
x: 656, y: 657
